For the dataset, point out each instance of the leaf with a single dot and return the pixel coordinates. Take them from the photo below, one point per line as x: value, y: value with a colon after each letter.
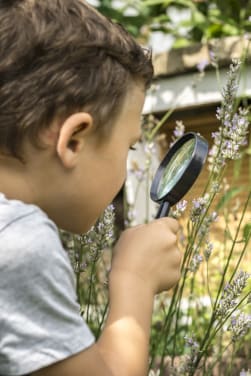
x: 181, y: 42
x: 228, y: 196
x: 213, y: 31
x: 198, y: 17
x: 230, y: 29
x: 185, y: 3
x: 247, y: 232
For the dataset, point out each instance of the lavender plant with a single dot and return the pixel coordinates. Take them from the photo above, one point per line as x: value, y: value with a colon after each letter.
x: 230, y: 295
x: 208, y: 312
x: 90, y: 256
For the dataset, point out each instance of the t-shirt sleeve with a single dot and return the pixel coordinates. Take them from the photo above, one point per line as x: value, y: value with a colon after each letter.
x: 40, y: 322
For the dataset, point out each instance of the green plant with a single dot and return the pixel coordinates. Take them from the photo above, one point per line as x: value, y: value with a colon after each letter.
x: 204, y: 19
x: 208, y: 312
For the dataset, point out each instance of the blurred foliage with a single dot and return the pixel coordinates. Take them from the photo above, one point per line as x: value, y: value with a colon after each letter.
x: 203, y: 19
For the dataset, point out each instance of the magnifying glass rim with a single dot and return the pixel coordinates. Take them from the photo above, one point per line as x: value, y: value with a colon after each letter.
x: 194, y: 166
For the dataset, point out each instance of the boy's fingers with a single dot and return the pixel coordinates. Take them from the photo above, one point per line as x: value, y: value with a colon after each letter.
x: 172, y: 223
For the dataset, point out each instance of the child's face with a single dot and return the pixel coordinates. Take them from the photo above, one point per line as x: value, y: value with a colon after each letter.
x: 101, y: 168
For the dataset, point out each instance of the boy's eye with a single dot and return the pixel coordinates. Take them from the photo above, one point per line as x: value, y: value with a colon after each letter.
x: 133, y: 148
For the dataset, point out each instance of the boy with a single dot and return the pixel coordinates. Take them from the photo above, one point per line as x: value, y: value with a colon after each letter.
x: 72, y: 87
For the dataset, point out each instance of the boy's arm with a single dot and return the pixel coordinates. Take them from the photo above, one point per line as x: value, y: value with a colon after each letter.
x: 122, y: 349
x: 146, y: 261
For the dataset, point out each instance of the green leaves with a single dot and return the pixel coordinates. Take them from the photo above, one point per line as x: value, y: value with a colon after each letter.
x: 247, y: 232
x: 205, y: 19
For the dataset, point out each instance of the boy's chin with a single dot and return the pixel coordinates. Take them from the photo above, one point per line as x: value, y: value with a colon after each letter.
x: 79, y: 229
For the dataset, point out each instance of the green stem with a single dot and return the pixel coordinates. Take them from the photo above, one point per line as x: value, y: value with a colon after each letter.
x: 160, y: 124
x: 229, y: 257
x: 211, y: 368
x: 209, y: 340
x: 246, y: 243
x: 208, y: 287
x: 104, y: 312
x: 230, y: 366
x: 207, y: 335
x: 90, y: 290
x: 167, y: 324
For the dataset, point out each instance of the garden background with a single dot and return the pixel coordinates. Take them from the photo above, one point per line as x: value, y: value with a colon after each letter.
x: 201, y: 55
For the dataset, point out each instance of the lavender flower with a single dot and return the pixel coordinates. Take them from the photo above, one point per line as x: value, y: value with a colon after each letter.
x: 195, y: 262
x: 178, y: 132
x: 202, y: 65
x: 179, y: 209
x: 245, y: 373
x: 100, y: 236
x: 213, y: 58
x: 230, y: 294
x: 215, y: 187
x: 150, y: 148
x: 208, y: 250
x: 198, y: 208
x: 205, y: 225
x: 232, y: 133
x: 188, y: 365
x: 239, y: 325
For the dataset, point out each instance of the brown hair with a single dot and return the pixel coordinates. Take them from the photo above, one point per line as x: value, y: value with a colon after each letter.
x: 59, y: 56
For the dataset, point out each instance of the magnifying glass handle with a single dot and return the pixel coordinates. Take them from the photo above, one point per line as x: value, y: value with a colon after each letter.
x: 163, y: 210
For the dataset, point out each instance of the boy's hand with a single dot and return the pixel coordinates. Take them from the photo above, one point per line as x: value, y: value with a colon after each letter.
x: 149, y: 255
x: 146, y: 261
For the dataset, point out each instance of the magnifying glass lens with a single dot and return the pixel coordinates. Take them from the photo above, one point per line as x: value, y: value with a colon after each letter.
x: 175, y: 168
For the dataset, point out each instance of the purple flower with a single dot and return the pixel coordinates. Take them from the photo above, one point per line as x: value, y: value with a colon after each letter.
x: 202, y: 65
x: 230, y: 294
x: 178, y: 132
x: 233, y: 131
x: 240, y: 324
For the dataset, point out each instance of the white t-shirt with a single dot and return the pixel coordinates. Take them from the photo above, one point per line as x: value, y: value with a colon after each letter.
x: 40, y: 322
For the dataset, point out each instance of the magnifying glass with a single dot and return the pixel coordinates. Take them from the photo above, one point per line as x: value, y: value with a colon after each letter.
x: 178, y: 171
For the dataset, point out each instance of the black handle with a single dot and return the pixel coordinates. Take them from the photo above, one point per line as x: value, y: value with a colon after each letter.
x: 163, y: 209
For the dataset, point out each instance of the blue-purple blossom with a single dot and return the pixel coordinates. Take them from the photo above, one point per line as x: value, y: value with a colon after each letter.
x: 100, y: 236
x: 240, y: 324
x: 213, y: 58
x: 195, y: 262
x: 198, y: 208
x: 233, y: 131
x: 189, y: 363
x: 150, y: 149
x: 208, y: 250
x: 202, y: 65
x: 230, y: 294
x: 179, y: 209
x: 205, y: 225
x: 178, y: 132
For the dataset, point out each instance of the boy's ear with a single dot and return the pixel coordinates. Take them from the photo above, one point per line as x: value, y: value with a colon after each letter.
x: 71, y: 137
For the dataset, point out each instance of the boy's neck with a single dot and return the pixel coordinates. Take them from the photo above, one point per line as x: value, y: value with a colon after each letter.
x: 15, y: 182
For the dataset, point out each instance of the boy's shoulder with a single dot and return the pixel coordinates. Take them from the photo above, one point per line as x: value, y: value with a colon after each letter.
x: 15, y: 213
x: 27, y: 234
x: 38, y: 298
